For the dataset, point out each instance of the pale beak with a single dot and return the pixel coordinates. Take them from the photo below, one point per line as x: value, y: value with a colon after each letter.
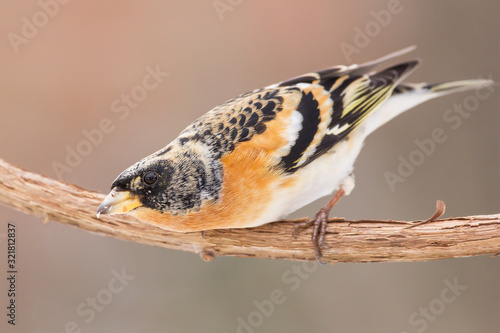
x: 118, y: 202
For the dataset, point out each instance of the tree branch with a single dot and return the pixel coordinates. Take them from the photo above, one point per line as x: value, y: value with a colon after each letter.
x: 350, y: 241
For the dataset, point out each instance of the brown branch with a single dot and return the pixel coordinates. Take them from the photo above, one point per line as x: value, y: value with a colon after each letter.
x: 350, y: 241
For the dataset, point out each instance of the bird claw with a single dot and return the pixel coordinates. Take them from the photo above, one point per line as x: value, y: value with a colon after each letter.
x: 301, y: 225
x: 319, y: 223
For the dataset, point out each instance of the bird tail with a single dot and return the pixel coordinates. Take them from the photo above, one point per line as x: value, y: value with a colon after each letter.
x: 408, y: 95
x: 440, y: 89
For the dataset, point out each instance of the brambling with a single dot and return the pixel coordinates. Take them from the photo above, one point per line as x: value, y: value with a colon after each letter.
x: 264, y: 154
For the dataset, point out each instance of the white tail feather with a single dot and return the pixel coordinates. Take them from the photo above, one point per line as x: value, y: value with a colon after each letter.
x: 458, y: 86
x: 419, y: 93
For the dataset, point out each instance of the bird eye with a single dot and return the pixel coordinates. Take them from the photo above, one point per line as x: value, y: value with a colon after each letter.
x: 150, y: 178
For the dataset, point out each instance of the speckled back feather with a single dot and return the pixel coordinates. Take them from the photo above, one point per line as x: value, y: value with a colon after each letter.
x: 330, y: 104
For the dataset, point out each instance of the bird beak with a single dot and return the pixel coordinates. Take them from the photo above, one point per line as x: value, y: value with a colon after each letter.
x: 118, y: 202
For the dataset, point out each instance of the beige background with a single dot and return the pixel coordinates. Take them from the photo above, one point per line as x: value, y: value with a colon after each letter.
x: 65, y: 78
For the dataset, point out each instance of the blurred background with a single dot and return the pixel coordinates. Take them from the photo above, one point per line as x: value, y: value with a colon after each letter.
x: 66, y: 67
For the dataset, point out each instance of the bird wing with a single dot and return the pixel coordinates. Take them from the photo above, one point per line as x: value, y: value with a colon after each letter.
x: 298, y: 120
x: 351, y: 96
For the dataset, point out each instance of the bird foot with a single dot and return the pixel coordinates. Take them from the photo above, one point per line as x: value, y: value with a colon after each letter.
x: 319, y: 224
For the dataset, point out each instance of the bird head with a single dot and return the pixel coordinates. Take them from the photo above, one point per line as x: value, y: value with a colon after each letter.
x: 165, y: 182
x: 144, y: 184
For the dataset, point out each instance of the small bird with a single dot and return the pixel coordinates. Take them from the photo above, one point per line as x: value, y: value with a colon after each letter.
x: 264, y: 154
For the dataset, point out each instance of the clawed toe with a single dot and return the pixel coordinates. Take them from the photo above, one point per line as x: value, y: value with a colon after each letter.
x: 301, y: 225
x: 319, y: 223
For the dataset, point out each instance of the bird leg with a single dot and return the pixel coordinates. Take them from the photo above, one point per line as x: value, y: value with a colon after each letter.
x: 319, y: 224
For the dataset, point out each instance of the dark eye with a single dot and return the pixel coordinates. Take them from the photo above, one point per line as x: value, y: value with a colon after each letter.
x: 150, y: 177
